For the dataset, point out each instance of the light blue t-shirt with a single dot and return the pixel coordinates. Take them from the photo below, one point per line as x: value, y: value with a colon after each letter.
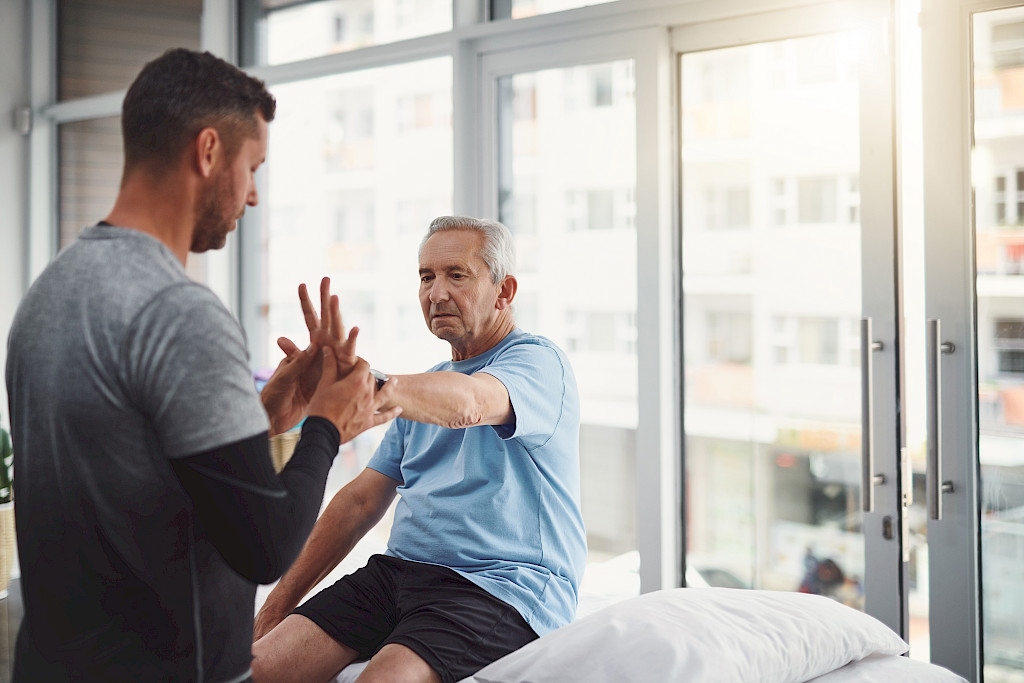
x: 499, y: 505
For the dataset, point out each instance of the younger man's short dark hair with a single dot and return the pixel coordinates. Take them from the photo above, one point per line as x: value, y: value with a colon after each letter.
x: 181, y: 92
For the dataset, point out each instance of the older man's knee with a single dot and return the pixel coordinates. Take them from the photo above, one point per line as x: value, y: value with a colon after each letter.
x: 396, y: 663
x: 298, y: 650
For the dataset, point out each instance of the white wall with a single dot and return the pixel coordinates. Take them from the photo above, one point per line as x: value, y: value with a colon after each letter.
x: 13, y: 92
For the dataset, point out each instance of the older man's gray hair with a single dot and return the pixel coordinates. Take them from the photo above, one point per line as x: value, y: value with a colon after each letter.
x: 498, y: 253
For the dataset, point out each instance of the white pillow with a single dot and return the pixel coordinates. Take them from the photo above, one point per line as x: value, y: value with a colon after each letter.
x: 700, y: 635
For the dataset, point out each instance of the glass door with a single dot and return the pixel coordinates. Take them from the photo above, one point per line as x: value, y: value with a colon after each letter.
x: 789, y: 281
x: 974, y: 213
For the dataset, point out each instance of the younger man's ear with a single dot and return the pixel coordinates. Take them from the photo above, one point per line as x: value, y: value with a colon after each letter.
x: 208, y: 148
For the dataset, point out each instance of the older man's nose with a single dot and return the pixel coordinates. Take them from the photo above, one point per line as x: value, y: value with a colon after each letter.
x: 438, y: 292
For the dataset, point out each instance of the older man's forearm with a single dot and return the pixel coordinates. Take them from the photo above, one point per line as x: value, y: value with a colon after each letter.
x: 453, y: 400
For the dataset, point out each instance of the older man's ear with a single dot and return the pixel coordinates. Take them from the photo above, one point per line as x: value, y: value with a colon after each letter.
x: 507, y: 292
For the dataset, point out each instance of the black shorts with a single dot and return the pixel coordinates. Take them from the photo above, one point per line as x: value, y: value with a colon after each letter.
x: 454, y: 625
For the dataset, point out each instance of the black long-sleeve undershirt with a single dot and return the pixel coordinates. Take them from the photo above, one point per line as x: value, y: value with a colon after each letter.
x: 258, y: 519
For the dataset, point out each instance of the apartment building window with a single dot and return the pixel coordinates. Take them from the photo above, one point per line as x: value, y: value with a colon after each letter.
x: 349, y: 139
x: 1019, y: 197
x: 1009, y: 346
x: 780, y: 336
x: 599, y: 209
x: 815, y: 340
x: 413, y: 214
x: 726, y: 207
x: 812, y: 200
x: 1008, y: 44
x: 729, y: 337
x: 816, y: 199
x: 523, y: 219
x: 818, y: 341
x: 1013, y: 259
x: 600, y: 332
x: 524, y: 106
x: 781, y: 201
x: 354, y: 219
x: 999, y: 199
x: 849, y: 200
x: 597, y: 86
x: 1007, y: 198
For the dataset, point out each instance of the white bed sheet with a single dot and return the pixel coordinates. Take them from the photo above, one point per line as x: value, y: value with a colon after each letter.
x: 872, y: 669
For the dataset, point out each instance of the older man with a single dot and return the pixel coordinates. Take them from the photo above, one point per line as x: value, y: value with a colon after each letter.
x: 147, y: 504
x: 487, y: 546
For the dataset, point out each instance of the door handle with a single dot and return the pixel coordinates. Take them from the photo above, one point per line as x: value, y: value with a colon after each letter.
x: 867, y: 438
x: 935, y: 485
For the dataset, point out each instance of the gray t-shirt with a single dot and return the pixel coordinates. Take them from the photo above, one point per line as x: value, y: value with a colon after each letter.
x: 118, y: 362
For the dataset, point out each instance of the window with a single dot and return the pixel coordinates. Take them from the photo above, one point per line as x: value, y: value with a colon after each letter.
x: 358, y: 191
x: 1009, y: 346
x: 291, y: 31
x: 521, y: 9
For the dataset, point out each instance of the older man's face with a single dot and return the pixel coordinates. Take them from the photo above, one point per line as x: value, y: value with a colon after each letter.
x: 458, y: 298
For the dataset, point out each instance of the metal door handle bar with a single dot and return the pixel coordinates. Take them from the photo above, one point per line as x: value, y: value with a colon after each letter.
x: 867, y: 438
x: 935, y: 485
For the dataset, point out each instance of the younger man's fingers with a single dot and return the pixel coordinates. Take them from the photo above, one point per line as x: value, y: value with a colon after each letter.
x: 288, y: 346
x: 386, y: 416
x: 330, y: 366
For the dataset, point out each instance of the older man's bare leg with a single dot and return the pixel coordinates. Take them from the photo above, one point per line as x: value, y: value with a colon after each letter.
x: 398, y: 664
x: 298, y: 651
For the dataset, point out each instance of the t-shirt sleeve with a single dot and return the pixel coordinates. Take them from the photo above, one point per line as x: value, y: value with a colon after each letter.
x: 187, y: 369
x: 535, y: 376
x: 387, y: 459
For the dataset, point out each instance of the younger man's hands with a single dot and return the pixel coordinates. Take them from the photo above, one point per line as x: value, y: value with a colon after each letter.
x: 351, y: 403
